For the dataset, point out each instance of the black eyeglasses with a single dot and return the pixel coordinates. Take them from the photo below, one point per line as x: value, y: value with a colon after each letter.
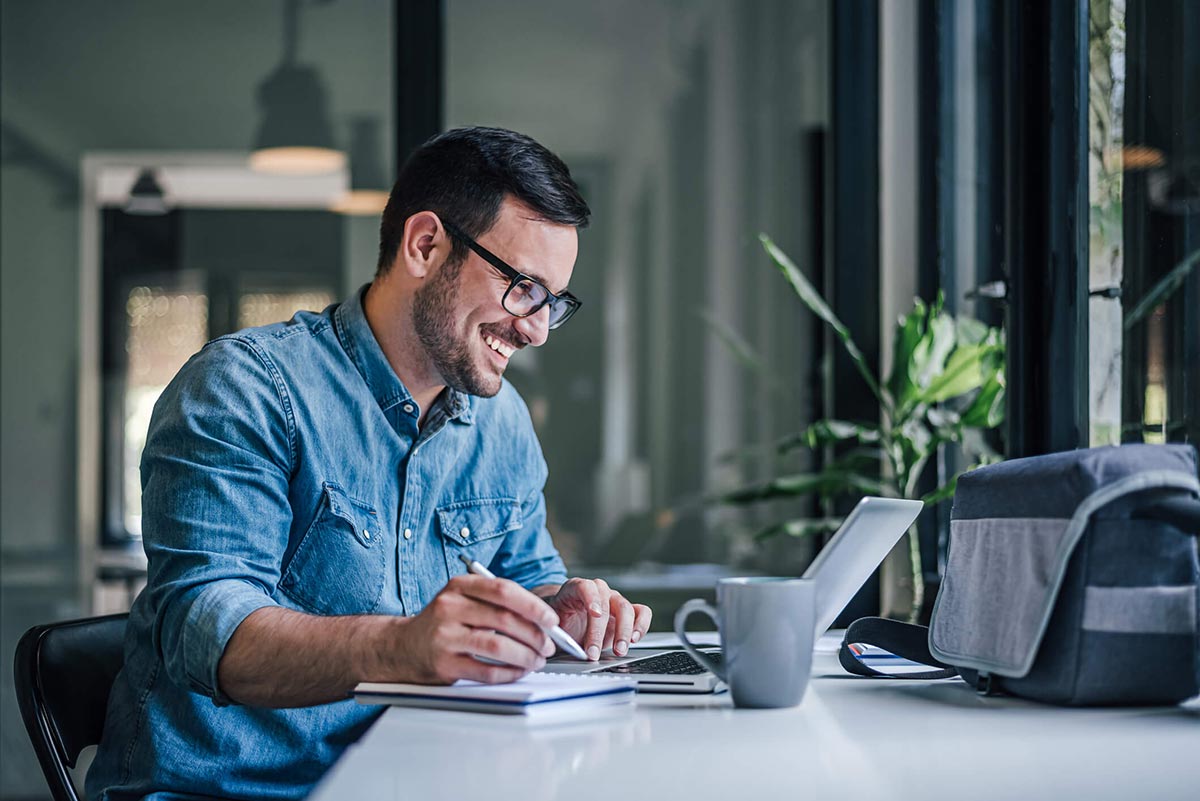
x: 525, y: 295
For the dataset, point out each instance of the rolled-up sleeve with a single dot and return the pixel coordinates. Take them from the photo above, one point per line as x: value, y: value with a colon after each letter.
x: 216, y: 516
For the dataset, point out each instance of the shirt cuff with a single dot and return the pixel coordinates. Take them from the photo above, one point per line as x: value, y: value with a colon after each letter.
x: 214, y: 616
x: 549, y: 570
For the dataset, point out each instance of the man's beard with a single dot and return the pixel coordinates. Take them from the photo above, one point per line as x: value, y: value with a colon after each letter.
x: 434, y: 320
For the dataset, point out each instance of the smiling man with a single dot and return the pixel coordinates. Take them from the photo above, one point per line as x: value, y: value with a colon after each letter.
x: 308, y: 488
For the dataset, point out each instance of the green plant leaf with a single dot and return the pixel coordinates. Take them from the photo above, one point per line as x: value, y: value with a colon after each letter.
x: 802, y: 527
x: 964, y: 372
x: 827, y: 482
x: 859, y: 459
x: 929, y: 356
x: 829, y: 432
x: 811, y: 298
x: 914, y: 473
x: 942, y: 418
x: 916, y: 444
x: 915, y: 438
x: 1162, y: 290
x: 909, y: 330
x: 986, y: 410
x: 970, y: 331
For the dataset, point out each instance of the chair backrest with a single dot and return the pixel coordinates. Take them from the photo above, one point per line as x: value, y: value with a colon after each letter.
x: 63, y: 673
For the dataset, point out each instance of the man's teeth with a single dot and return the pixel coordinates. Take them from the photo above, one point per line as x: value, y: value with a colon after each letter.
x: 498, y: 346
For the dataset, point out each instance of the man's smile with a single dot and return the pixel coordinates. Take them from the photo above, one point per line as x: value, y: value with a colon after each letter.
x: 499, y: 346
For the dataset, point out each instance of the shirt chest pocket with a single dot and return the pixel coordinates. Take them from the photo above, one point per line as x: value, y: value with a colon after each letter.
x: 339, y: 566
x: 476, y: 529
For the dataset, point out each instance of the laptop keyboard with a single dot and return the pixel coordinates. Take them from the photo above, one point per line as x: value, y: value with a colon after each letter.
x: 676, y: 663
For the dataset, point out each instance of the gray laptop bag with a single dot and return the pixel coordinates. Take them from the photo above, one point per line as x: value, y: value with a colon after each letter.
x: 1071, y: 578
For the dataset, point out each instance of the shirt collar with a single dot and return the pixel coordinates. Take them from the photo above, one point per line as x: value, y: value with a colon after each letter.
x: 358, y: 340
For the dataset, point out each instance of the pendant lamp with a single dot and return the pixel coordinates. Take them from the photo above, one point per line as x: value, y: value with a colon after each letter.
x: 147, y: 198
x: 368, y: 193
x: 295, y: 137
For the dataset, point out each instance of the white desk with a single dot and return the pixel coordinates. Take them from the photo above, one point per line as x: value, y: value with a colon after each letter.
x: 850, y: 738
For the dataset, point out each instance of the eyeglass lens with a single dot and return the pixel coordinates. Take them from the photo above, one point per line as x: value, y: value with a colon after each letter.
x: 526, y: 297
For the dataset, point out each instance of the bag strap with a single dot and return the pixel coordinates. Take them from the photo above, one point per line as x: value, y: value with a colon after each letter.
x: 905, y: 640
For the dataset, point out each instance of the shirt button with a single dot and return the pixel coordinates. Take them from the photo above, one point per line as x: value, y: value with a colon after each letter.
x: 466, y: 532
x: 408, y: 533
x: 408, y: 407
x: 366, y: 534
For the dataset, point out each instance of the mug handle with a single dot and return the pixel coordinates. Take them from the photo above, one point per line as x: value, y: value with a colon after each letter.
x: 681, y: 616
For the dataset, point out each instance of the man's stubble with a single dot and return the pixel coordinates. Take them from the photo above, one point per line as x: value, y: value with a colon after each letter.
x: 434, y: 319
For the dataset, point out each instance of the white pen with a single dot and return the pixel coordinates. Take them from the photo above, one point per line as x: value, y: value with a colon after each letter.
x: 556, y: 633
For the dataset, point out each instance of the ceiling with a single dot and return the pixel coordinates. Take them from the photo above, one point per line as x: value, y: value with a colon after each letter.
x: 145, y: 75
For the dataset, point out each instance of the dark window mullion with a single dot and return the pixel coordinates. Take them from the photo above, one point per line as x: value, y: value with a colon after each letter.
x: 1046, y: 221
x: 854, y: 246
x: 419, y: 73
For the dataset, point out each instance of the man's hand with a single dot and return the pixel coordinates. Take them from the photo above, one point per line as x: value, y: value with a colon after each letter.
x: 597, y: 616
x: 472, y: 616
x: 492, y: 618
x: 475, y: 616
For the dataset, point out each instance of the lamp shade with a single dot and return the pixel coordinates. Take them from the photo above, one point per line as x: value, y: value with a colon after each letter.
x: 295, y: 137
x: 146, y: 197
x: 368, y: 193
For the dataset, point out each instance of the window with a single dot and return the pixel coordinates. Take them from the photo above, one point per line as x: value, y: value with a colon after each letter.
x: 175, y: 281
x: 165, y: 323
x: 163, y: 326
x: 1144, y: 170
x: 263, y: 308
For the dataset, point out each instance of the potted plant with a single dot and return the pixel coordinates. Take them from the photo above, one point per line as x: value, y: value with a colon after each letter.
x: 945, y: 387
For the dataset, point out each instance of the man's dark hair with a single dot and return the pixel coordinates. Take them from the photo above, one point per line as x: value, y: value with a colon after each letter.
x: 463, y: 176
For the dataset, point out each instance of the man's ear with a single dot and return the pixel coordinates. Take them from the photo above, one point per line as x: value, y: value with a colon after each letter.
x: 425, y: 244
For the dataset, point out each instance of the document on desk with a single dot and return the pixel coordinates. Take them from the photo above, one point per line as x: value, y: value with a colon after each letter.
x: 536, y: 694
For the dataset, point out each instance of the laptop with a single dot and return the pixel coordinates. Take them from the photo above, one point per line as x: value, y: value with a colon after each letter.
x: 840, y: 569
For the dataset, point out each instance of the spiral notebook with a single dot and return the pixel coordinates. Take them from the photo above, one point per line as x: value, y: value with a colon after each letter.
x: 535, y: 694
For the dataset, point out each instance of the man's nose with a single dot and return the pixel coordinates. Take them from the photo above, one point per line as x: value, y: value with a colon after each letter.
x: 536, y: 327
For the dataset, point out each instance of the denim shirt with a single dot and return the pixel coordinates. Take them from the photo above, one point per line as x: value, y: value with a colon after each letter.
x: 284, y: 467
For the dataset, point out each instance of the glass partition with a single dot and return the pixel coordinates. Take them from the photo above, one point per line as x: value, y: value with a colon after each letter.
x: 691, y: 129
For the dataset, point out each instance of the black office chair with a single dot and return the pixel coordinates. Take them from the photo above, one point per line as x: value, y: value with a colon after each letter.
x: 63, y: 674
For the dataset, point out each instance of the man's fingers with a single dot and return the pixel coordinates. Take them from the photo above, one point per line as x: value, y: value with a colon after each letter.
x: 597, y: 625
x: 585, y: 594
x: 466, y: 667
x: 508, y: 594
x: 482, y: 615
x: 624, y: 615
x: 498, y: 647
x: 641, y: 622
